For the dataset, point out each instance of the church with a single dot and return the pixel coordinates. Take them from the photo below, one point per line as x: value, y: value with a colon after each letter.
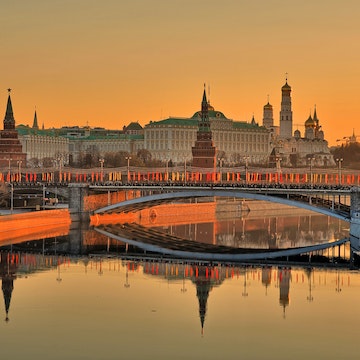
x: 294, y: 149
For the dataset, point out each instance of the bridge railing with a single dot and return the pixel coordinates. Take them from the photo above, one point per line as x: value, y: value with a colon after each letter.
x: 188, y: 177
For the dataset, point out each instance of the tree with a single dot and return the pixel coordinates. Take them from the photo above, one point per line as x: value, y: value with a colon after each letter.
x: 144, y: 155
x: 349, y: 153
x: 33, y: 163
x: 294, y: 160
x: 47, y: 162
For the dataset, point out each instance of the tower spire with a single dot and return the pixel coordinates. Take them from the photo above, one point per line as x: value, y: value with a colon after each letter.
x: 35, y: 123
x: 205, y: 124
x: 9, y: 121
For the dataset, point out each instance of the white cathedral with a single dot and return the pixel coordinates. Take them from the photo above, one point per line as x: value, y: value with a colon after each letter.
x: 291, y: 149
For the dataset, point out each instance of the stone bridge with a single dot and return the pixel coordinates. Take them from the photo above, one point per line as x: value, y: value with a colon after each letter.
x: 340, y: 202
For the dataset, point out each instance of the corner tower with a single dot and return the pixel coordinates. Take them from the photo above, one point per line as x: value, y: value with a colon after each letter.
x: 204, y: 151
x: 286, y: 120
x: 10, y: 146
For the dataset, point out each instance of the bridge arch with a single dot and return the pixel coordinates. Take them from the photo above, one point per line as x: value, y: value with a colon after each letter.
x: 155, y: 199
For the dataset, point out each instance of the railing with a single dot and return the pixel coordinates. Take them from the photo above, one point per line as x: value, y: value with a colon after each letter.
x: 235, y: 176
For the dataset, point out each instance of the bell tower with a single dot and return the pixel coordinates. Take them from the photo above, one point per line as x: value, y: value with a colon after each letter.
x: 286, y: 120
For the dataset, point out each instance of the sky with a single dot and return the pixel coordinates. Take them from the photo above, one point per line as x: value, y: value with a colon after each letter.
x: 111, y: 62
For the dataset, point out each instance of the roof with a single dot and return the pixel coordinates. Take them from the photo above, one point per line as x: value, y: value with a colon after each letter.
x: 27, y: 130
x: 286, y: 87
x: 211, y: 114
x: 310, y: 122
x: 268, y: 106
x: 134, y: 126
x: 175, y: 122
x: 100, y: 137
x: 245, y: 125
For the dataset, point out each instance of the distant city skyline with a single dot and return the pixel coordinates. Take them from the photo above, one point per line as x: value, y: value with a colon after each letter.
x: 111, y: 63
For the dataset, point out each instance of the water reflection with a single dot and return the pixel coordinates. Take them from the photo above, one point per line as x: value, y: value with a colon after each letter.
x: 203, y: 277
x: 74, y: 293
x: 235, y: 223
x: 142, y: 304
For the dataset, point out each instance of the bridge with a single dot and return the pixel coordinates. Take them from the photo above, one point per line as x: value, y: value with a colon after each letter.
x: 322, y: 200
x: 342, y: 202
x: 339, y: 202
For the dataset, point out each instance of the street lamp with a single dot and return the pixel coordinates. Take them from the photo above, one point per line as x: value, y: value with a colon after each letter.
x: 19, y: 162
x: 167, y: 170
x: 220, y: 168
x: 278, y: 167
x: 339, y: 161
x: 128, y: 158
x: 101, y: 169
x: 60, y: 167
x: 11, y: 198
x: 310, y: 159
x: 246, y: 158
x: 9, y: 172
x: 184, y: 171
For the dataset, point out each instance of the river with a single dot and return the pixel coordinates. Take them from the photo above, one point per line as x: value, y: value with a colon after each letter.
x: 71, y: 293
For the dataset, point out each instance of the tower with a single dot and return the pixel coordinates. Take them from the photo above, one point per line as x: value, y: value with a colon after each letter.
x: 10, y: 147
x: 268, y: 118
x: 204, y: 151
x: 35, y: 123
x: 286, y: 120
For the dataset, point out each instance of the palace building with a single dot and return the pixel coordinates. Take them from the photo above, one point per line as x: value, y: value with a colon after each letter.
x: 173, y: 138
x: 40, y: 144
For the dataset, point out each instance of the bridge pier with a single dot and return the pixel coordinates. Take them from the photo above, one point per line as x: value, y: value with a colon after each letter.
x: 355, y: 219
x: 77, y: 194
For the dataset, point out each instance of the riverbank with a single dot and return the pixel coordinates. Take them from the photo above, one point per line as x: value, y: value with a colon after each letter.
x: 23, y: 226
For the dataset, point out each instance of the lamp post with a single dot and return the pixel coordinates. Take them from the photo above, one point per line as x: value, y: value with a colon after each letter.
x: 310, y: 159
x: 184, y: 171
x: 339, y: 161
x: 43, y: 202
x: 167, y: 170
x: 101, y: 168
x: 19, y: 162
x: 11, y: 198
x: 167, y: 164
x: 60, y: 168
x: 278, y: 167
x: 128, y: 158
x: 246, y: 158
x: 220, y: 168
x: 9, y: 171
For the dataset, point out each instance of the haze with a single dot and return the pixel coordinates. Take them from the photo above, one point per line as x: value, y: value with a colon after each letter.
x: 107, y: 63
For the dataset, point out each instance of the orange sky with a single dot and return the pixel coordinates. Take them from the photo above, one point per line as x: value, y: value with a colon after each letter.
x: 107, y: 63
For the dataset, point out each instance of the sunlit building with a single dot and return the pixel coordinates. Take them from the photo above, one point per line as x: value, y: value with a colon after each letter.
x: 293, y: 149
x: 40, y: 144
x: 173, y: 138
